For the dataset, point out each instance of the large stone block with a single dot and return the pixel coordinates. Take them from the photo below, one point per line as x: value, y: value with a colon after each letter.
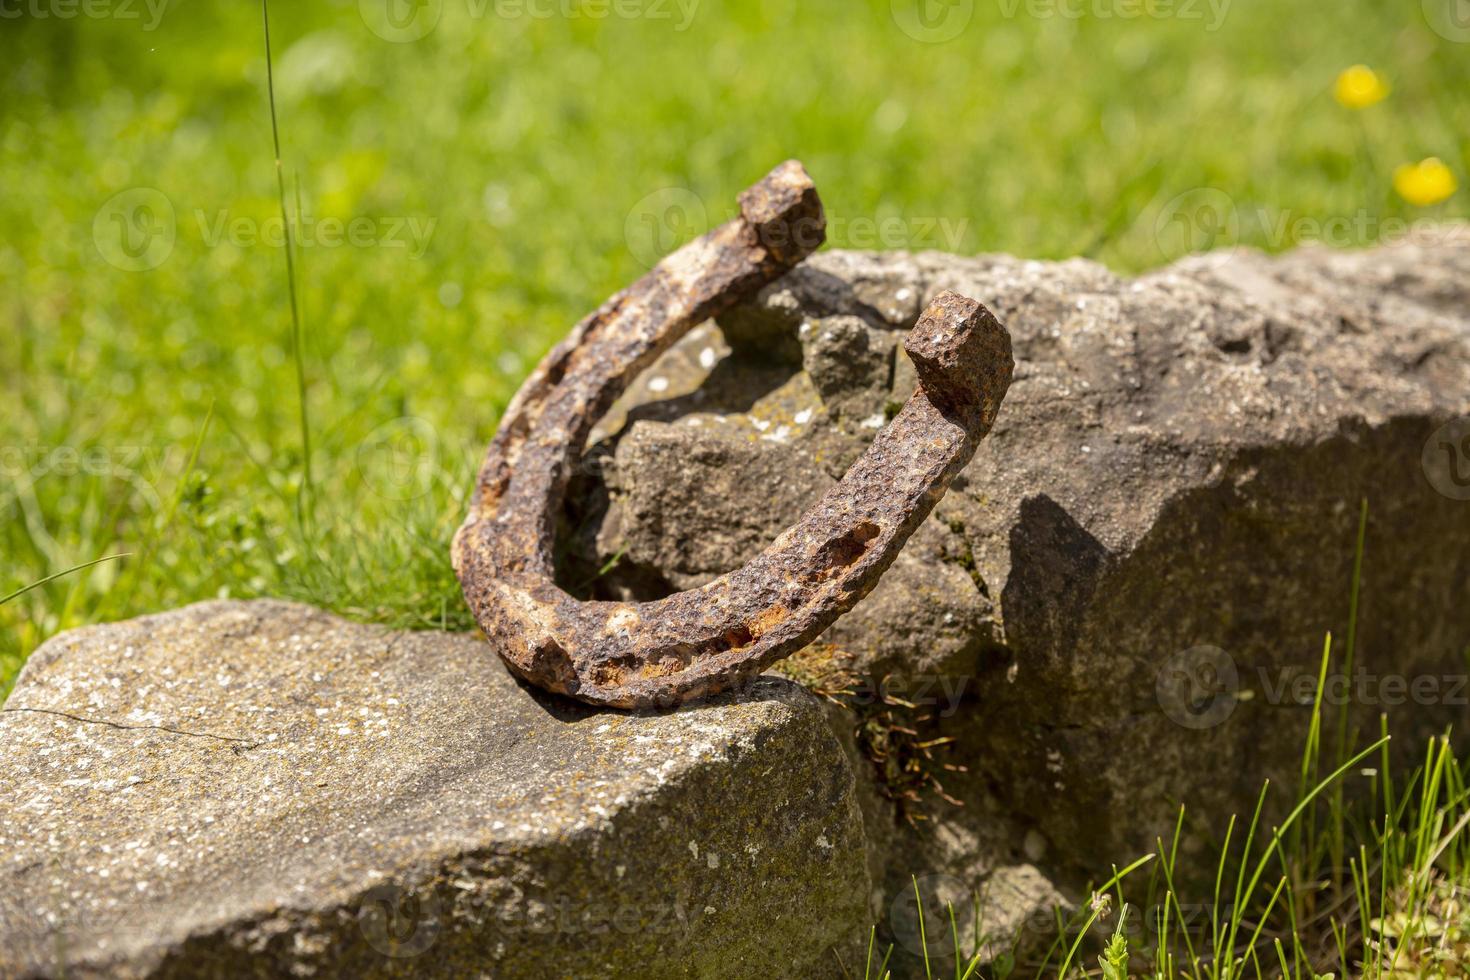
x: 1131, y: 583
x: 260, y: 789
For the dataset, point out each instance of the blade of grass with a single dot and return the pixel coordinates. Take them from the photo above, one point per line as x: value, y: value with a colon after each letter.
x: 923, y: 938
x: 52, y: 578
x: 304, y: 494
x: 1349, y: 659
x: 1292, y: 904
x: 954, y: 931
x: 1056, y: 944
x: 883, y: 967
x: 1255, y: 939
x: 1311, y: 761
x: 1241, y: 893
x: 1281, y: 958
x: 1215, y: 905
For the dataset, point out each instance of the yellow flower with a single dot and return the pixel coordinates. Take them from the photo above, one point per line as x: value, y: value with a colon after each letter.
x: 1424, y: 183
x: 1359, y: 87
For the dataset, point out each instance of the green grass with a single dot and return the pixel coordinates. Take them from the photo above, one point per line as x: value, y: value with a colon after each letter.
x: 504, y: 166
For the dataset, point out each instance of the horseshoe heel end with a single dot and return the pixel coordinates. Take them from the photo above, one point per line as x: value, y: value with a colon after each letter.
x: 785, y: 213
x: 962, y: 355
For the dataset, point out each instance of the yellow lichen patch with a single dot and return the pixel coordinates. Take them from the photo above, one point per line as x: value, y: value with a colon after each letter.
x: 613, y: 673
x: 662, y: 667
x: 785, y: 412
x: 768, y: 620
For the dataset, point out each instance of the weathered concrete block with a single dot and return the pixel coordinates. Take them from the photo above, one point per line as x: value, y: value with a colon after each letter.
x: 259, y: 788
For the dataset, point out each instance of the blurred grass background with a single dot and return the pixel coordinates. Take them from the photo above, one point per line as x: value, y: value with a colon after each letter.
x: 513, y: 170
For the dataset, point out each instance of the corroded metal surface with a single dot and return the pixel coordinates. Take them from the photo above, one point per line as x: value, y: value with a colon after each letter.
x: 694, y: 643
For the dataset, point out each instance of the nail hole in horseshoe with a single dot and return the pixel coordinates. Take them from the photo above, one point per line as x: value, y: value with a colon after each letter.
x: 844, y: 550
x: 548, y: 655
x: 620, y: 670
x: 557, y: 369
x: 731, y: 639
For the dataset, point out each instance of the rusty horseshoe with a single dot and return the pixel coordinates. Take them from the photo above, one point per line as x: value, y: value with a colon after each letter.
x: 694, y: 643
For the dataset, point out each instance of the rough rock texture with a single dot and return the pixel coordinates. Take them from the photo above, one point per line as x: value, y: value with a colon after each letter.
x: 238, y: 789
x: 1178, y: 464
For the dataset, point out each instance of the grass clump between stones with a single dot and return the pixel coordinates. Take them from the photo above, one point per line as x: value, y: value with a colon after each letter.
x: 887, y: 730
x: 1397, y: 908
